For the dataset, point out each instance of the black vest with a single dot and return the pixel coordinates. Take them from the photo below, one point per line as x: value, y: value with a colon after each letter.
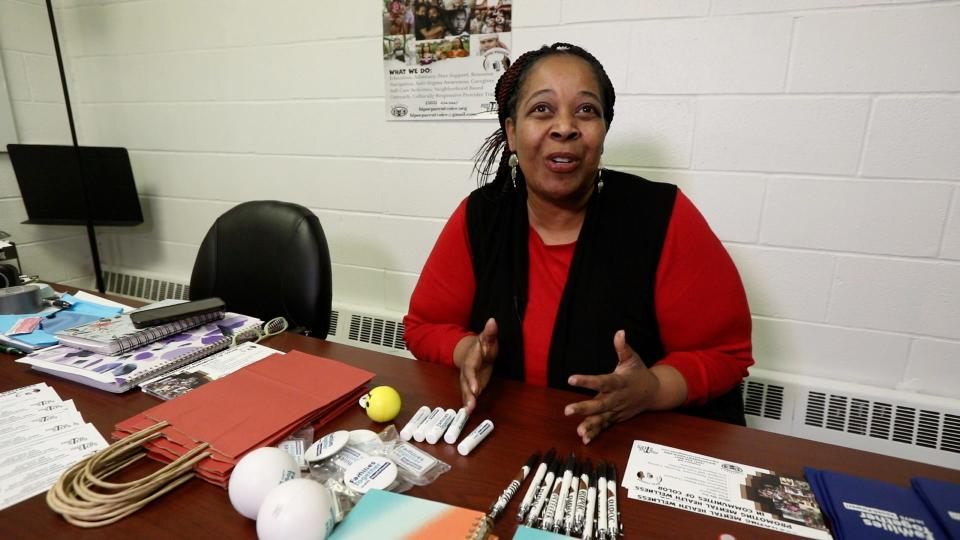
x: 610, y: 285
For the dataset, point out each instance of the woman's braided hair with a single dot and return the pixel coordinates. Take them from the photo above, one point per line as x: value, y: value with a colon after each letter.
x: 507, y: 92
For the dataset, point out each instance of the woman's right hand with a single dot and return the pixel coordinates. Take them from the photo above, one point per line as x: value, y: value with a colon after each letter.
x: 474, y: 355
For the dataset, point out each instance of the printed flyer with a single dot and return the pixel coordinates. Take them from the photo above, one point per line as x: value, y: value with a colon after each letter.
x: 722, y: 489
x: 442, y: 58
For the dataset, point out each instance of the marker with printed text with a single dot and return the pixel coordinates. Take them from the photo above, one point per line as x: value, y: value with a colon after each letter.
x: 535, y: 484
x: 511, y: 489
x: 543, y: 494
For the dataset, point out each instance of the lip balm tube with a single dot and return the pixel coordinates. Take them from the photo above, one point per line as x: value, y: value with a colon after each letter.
x: 420, y: 433
x: 407, y: 432
x: 442, y: 424
x: 453, y: 432
x: 475, y: 437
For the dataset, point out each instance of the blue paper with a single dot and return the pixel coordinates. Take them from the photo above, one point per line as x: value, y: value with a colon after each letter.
x: 861, y: 508
x: 81, y: 312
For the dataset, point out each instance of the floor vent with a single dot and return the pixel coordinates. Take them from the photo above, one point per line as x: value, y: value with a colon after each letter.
x: 902, y: 424
x: 382, y: 331
x: 334, y: 319
x: 763, y: 400
x: 144, y: 288
x: 377, y: 331
x: 369, y: 328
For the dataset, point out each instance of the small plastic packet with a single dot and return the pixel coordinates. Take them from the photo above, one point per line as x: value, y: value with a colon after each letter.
x: 296, y: 445
x: 415, y: 466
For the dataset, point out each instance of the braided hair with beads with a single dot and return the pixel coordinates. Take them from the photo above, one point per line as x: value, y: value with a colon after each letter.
x: 508, y: 91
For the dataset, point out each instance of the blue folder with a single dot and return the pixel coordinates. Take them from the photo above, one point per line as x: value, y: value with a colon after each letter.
x: 943, y: 500
x: 861, y: 508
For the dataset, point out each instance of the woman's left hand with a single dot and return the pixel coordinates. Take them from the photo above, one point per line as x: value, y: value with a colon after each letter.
x: 631, y: 389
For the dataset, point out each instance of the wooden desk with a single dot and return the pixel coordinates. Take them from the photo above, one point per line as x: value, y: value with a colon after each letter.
x: 527, y: 419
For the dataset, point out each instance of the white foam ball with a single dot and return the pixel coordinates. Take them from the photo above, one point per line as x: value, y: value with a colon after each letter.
x: 300, y: 509
x: 256, y: 474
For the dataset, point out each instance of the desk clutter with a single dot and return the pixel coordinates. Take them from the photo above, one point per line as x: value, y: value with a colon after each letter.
x: 206, y: 432
x: 40, y: 436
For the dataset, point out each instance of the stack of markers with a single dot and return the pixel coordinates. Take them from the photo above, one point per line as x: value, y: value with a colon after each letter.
x: 429, y: 425
x: 570, y: 498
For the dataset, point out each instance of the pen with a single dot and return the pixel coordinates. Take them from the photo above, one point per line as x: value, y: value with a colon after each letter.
x: 602, y: 500
x: 586, y: 471
x: 511, y: 489
x: 591, y: 505
x: 546, y: 523
x: 564, y: 490
x: 571, y: 502
x: 535, y: 484
x: 543, y: 494
x: 613, y: 525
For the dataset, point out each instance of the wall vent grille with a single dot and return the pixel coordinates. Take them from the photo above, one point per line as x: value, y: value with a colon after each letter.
x: 144, y: 287
x: 762, y: 399
x: 816, y: 405
x: 897, y: 423
x: 376, y: 331
x: 334, y: 319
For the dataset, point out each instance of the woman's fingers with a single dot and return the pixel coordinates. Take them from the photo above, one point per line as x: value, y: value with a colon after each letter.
x: 597, y: 405
x: 592, y: 426
x: 598, y: 383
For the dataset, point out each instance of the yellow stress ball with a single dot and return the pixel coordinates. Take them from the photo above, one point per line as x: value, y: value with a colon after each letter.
x: 382, y: 404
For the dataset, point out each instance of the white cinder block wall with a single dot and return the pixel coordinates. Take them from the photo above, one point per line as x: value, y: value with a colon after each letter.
x: 33, y: 82
x: 821, y: 139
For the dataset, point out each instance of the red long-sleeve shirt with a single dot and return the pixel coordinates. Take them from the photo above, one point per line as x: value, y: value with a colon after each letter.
x: 700, y: 303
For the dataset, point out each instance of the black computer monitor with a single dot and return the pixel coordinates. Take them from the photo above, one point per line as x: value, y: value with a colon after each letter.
x: 49, y: 178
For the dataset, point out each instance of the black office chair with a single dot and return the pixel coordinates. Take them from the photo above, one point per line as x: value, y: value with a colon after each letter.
x: 268, y: 259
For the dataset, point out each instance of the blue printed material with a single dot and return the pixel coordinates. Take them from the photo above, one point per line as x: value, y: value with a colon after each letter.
x: 78, y: 313
x: 943, y: 500
x: 860, y: 508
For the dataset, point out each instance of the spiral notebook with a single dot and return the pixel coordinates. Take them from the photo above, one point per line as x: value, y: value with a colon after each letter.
x: 120, y: 373
x: 384, y: 514
x: 117, y: 335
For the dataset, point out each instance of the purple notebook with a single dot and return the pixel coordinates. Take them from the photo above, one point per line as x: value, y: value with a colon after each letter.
x: 119, y: 373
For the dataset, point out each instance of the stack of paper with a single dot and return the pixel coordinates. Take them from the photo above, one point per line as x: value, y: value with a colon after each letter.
x: 40, y: 437
x: 259, y: 405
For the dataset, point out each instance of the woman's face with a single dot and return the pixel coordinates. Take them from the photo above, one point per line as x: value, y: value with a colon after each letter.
x: 559, y: 130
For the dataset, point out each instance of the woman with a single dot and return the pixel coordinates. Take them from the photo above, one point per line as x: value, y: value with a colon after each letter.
x: 561, y: 273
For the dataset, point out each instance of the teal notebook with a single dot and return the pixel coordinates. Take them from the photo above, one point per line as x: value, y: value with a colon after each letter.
x: 385, y: 515
x: 529, y: 533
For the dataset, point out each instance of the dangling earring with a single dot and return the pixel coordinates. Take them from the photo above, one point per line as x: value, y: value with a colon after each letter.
x: 513, y: 162
x: 600, y: 178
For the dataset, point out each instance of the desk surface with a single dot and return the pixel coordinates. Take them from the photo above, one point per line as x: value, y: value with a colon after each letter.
x: 527, y: 419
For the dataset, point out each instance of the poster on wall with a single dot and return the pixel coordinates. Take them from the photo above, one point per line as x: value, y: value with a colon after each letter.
x: 442, y: 58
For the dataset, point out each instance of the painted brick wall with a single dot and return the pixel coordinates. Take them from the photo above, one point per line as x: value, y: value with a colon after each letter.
x: 821, y: 139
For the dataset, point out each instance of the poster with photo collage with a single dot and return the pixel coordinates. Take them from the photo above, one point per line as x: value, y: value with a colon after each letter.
x: 442, y: 58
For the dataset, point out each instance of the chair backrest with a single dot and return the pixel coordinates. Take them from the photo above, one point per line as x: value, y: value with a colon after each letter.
x: 268, y: 259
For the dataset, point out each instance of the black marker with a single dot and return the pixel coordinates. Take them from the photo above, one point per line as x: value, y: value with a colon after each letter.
x: 507, y: 494
x: 535, y: 484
